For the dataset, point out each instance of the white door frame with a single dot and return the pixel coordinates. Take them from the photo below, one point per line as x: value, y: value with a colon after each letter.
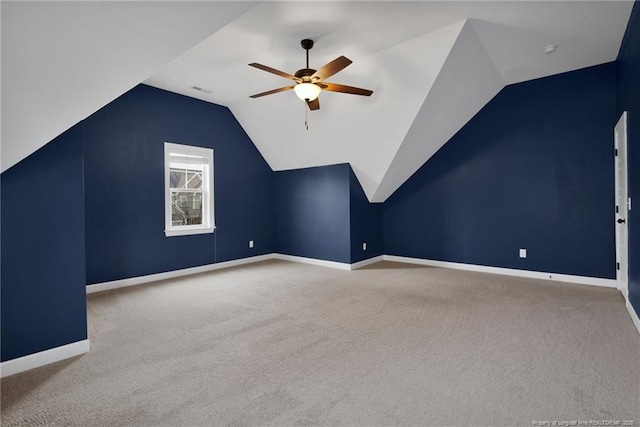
x: 623, y: 205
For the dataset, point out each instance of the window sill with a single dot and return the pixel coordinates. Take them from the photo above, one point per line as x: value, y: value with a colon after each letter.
x: 188, y: 231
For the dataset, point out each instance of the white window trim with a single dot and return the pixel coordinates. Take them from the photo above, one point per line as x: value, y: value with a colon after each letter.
x: 208, y: 217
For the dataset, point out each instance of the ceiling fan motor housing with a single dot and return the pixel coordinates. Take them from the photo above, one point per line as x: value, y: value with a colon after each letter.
x: 305, y: 73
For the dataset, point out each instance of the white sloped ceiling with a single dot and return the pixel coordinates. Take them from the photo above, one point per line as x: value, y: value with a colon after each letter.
x: 62, y: 61
x: 466, y: 81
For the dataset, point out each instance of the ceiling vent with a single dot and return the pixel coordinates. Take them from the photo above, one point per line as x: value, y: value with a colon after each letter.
x: 199, y: 89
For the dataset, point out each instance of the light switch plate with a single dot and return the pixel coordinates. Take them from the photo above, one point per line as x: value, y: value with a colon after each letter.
x: 523, y: 253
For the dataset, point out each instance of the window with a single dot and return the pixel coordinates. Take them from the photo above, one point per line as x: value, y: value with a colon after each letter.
x: 188, y: 181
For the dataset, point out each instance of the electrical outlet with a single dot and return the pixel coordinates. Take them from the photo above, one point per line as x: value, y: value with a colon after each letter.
x: 523, y: 253
x: 251, y: 243
x: 364, y: 246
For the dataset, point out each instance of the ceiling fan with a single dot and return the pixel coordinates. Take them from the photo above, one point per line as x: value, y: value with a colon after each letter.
x: 309, y: 82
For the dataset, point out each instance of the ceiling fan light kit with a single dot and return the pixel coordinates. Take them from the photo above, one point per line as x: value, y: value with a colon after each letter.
x: 307, y: 91
x: 309, y: 83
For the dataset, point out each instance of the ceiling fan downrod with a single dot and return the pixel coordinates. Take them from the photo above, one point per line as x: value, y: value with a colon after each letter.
x: 307, y: 44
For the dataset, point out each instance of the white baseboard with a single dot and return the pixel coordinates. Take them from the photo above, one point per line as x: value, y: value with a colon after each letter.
x: 365, y: 262
x: 634, y: 315
x: 593, y: 281
x: 313, y: 261
x: 122, y: 283
x: 583, y: 280
x: 330, y: 264
x: 36, y: 360
x: 625, y: 291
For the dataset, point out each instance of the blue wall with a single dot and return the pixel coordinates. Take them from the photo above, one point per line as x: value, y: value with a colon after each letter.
x: 312, y: 213
x: 366, y: 223
x: 323, y: 213
x: 629, y: 100
x: 124, y: 161
x: 533, y: 169
x: 43, y: 274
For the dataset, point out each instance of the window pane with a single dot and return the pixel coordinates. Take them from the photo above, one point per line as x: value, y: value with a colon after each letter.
x: 186, y: 208
x: 194, y: 180
x: 185, y: 176
x: 177, y: 178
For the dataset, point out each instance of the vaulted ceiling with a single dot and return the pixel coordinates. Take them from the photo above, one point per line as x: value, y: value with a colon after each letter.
x: 63, y: 61
x: 432, y: 67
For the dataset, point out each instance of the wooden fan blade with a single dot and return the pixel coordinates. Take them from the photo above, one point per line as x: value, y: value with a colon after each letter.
x: 282, y: 89
x: 274, y: 71
x: 331, y: 68
x: 333, y: 87
x: 314, y: 105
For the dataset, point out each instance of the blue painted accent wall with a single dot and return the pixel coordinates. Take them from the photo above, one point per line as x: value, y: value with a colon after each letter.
x: 124, y: 163
x: 43, y: 274
x: 629, y: 100
x: 366, y: 223
x: 533, y: 169
x: 313, y: 214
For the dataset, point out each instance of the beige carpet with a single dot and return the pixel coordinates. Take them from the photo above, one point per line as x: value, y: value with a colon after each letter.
x: 278, y: 343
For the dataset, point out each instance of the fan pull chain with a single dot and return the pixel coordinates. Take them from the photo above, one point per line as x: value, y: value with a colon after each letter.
x: 306, y: 115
